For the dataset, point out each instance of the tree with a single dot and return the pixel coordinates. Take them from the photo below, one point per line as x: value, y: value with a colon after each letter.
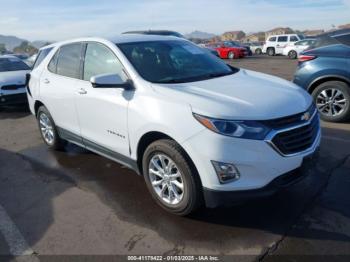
x: 2, y: 49
x: 25, y: 47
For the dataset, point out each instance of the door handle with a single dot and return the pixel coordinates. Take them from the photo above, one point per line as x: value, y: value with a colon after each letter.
x: 82, y: 91
x: 46, y: 81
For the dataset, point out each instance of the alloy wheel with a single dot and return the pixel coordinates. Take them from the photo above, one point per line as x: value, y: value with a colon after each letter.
x: 166, y: 179
x: 231, y: 55
x: 46, y: 128
x: 331, y: 102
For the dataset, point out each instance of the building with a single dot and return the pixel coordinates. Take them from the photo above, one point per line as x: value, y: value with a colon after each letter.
x: 232, y: 36
x: 313, y: 32
x: 256, y: 37
x: 279, y: 31
x: 347, y: 26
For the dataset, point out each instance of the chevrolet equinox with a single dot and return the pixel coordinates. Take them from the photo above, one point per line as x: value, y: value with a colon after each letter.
x: 199, y: 131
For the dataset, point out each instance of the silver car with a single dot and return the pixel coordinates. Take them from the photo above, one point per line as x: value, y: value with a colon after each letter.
x: 12, y: 80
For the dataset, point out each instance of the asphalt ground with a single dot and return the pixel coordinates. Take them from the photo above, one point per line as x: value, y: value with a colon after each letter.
x: 74, y: 204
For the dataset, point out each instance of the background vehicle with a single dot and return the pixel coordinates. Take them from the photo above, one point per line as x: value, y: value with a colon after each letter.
x: 227, y: 50
x: 12, y: 80
x: 325, y: 73
x: 276, y: 43
x: 156, y: 32
x: 255, y: 47
x: 31, y: 60
x: 238, y: 44
x: 294, y: 49
x: 166, y: 99
x: 21, y: 56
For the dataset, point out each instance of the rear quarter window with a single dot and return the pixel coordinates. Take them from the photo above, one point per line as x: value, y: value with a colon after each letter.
x: 41, y: 56
x: 293, y: 38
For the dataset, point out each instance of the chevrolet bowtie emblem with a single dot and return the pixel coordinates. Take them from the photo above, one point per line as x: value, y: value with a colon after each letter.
x: 306, y: 116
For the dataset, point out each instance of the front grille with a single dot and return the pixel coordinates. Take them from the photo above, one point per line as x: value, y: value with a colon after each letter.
x: 288, y: 121
x: 12, y: 87
x: 298, y: 139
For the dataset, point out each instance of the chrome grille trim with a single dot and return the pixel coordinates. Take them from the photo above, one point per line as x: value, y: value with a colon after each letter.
x: 269, y: 138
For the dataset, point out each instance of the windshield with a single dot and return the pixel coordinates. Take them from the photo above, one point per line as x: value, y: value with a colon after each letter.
x: 12, y: 64
x: 174, y: 61
x: 231, y: 43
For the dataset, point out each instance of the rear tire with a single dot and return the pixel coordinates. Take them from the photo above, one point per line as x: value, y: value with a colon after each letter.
x: 332, y: 99
x: 171, y: 178
x: 271, y: 51
x: 48, y: 130
x: 258, y: 51
x: 292, y: 54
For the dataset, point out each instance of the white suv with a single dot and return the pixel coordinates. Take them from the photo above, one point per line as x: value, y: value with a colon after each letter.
x: 276, y: 43
x: 198, y: 130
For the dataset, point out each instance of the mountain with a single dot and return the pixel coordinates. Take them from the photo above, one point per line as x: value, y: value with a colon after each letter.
x: 199, y: 35
x: 10, y: 41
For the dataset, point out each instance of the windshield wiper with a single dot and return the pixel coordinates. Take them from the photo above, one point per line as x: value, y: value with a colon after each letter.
x: 195, y: 78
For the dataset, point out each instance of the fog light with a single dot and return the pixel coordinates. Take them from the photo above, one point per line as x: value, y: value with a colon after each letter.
x: 226, y: 172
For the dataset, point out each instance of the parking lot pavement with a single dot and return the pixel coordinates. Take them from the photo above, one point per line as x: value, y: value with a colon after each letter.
x: 78, y: 203
x: 278, y: 65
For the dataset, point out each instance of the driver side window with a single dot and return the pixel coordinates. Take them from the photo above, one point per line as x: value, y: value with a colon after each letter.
x: 99, y: 60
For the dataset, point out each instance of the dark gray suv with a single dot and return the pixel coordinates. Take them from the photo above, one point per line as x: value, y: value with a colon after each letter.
x: 324, y: 71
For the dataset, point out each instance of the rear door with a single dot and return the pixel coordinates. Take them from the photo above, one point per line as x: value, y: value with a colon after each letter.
x: 103, y: 111
x: 58, y: 87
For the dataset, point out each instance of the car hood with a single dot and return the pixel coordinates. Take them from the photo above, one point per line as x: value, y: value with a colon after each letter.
x: 13, y: 77
x: 246, y: 95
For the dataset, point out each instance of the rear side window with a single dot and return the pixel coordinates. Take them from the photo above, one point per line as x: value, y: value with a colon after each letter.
x: 99, y: 60
x: 41, y: 56
x: 68, y: 61
x: 344, y: 39
x: 282, y: 39
x: 293, y: 38
x: 272, y: 39
x: 53, y: 63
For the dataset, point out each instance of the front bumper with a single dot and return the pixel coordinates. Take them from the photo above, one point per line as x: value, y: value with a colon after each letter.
x: 215, y: 198
x: 13, y: 99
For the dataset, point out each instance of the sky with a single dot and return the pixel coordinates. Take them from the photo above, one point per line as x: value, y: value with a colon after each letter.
x: 58, y: 20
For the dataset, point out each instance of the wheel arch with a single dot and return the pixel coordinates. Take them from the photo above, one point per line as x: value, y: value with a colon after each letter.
x: 151, y: 137
x: 320, y: 80
x: 37, y: 105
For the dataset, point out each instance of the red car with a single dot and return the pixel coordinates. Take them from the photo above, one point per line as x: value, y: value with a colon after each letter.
x: 227, y: 50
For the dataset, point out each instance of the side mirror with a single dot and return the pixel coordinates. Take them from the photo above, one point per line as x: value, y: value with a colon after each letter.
x: 110, y: 81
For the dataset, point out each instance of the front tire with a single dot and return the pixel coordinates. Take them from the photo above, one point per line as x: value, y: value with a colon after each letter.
x: 231, y: 55
x: 48, y: 130
x: 171, y: 178
x: 332, y: 99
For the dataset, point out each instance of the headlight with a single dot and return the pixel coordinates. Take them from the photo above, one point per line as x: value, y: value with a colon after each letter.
x: 242, y: 129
